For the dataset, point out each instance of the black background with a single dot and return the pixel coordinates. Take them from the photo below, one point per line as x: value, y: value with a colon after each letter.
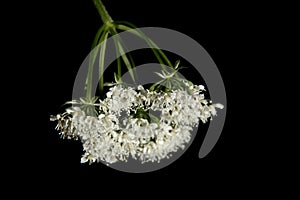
x: 59, y: 35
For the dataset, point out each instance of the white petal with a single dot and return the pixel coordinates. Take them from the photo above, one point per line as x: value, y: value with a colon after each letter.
x: 218, y: 105
x: 212, y: 110
x: 109, y: 94
x: 83, y: 160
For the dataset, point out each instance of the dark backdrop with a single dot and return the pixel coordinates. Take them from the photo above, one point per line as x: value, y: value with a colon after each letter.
x: 60, y: 33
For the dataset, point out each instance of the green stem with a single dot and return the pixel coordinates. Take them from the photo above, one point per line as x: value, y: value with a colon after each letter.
x: 128, y: 62
x: 101, y: 61
x: 103, y: 12
x: 92, y: 60
x: 119, y: 74
x: 107, y: 21
x: 156, y: 50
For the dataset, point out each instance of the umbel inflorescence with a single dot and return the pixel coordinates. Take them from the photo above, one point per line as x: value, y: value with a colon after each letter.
x: 145, y: 124
x: 125, y: 126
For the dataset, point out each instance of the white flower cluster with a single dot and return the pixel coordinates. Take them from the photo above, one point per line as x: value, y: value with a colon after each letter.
x: 125, y: 126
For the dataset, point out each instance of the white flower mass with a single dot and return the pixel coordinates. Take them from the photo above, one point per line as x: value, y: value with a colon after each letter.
x: 126, y: 126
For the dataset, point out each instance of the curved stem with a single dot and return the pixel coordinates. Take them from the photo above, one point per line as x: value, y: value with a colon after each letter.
x: 92, y: 59
x: 119, y: 46
x: 107, y: 21
x: 101, y: 61
x: 156, y: 50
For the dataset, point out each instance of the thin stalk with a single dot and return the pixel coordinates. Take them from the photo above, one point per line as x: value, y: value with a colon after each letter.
x: 131, y: 28
x: 101, y: 62
x: 119, y: 74
x: 107, y: 22
x: 156, y: 50
x: 128, y: 62
x: 92, y: 58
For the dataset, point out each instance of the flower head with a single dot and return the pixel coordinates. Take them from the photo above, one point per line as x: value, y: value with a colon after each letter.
x: 111, y: 137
